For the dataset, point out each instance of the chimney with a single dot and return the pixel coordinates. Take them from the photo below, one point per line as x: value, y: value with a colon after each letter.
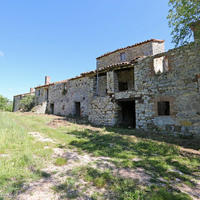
x: 47, y: 80
x: 195, y: 26
x: 32, y: 90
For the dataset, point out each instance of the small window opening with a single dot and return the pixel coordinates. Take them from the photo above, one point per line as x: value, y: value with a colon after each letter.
x: 38, y: 92
x: 122, y: 56
x: 64, y: 91
x: 161, y: 64
x: 123, y: 86
x: 63, y: 107
x: 163, y: 108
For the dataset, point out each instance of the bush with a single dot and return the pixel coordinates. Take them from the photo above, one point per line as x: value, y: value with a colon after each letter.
x: 27, y: 103
x: 5, y: 104
x: 9, y: 106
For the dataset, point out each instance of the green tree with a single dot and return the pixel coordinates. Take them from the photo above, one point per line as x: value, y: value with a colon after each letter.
x: 181, y: 14
x: 5, y: 104
x: 27, y: 103
x: 9, y: 106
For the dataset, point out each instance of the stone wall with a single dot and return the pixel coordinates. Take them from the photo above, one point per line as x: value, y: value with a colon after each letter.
x: 103, y: 111
x: 41, y: 99
x: 146, y: 49
x: 64, y: 95
x: 41, y: 95
x: 198, y: 82
x: 178, y: 86
x: 18, y: 98
x: 102, y: 84
x: 16, y: 102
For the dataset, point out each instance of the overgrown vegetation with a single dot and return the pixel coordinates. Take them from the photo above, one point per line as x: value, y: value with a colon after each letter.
x: 27, y: 103
x: 5, y: 104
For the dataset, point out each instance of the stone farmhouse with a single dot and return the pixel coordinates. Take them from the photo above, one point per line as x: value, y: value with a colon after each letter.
x: 139, y: 86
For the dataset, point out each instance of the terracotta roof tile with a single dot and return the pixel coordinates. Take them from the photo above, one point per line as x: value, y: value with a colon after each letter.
x: 23, y: 94
x: 137, y: 44
x: 47, y: 85
x: 41, y: 86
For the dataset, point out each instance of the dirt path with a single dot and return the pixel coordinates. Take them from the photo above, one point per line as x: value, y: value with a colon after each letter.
x: 43, y: 188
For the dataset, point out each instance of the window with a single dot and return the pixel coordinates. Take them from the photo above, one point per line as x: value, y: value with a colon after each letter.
x: 123, y: 86
x: 64, y: 91
x: 160, y: 64
x: 38, y: 92
x: 122, y: 56
x: 163, y: 108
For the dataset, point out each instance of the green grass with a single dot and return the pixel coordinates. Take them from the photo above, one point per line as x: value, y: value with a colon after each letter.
x: 158, y: 156
x: 60, y: 161
x: 68, y: 189
x: 23, y: 155
x: 127, y: 189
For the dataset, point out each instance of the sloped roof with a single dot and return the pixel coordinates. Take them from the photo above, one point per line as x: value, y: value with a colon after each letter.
x: 23, y: 94
x: 134, y: 45
x: 47, y: 85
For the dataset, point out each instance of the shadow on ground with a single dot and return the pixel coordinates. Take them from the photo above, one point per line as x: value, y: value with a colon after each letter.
x: 160, y: 159
x: 192, y: 142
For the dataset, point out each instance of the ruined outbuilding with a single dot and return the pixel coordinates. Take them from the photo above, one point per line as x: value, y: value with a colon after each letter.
x: 140, y: 86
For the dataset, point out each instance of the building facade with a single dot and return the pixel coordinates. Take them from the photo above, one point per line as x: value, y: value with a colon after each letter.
x: 140, y: 86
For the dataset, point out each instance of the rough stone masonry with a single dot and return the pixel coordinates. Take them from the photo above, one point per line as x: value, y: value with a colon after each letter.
x: 139, y: 86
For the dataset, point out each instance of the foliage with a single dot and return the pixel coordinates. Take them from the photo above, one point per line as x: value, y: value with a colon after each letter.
x: 9, y: 106
x: 5, y: 104
x: 181, y: 14
x: 27, y: 103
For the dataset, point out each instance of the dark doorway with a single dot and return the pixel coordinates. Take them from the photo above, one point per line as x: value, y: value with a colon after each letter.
x: 78, y: 109
x: 127, y: 114
x: 47, y: 94
x: 52, y: 108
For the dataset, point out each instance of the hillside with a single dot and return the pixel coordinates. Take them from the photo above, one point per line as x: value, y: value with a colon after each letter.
x: 48, y: 157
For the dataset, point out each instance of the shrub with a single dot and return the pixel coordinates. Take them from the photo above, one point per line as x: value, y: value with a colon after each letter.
x: 27, y: 103
x: 5, y: 104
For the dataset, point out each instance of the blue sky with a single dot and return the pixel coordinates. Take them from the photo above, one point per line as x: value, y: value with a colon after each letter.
x: 62, y: 38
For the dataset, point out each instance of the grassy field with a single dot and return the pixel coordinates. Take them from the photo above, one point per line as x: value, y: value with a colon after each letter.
x: 171, y: 169
x: 20, y: 155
